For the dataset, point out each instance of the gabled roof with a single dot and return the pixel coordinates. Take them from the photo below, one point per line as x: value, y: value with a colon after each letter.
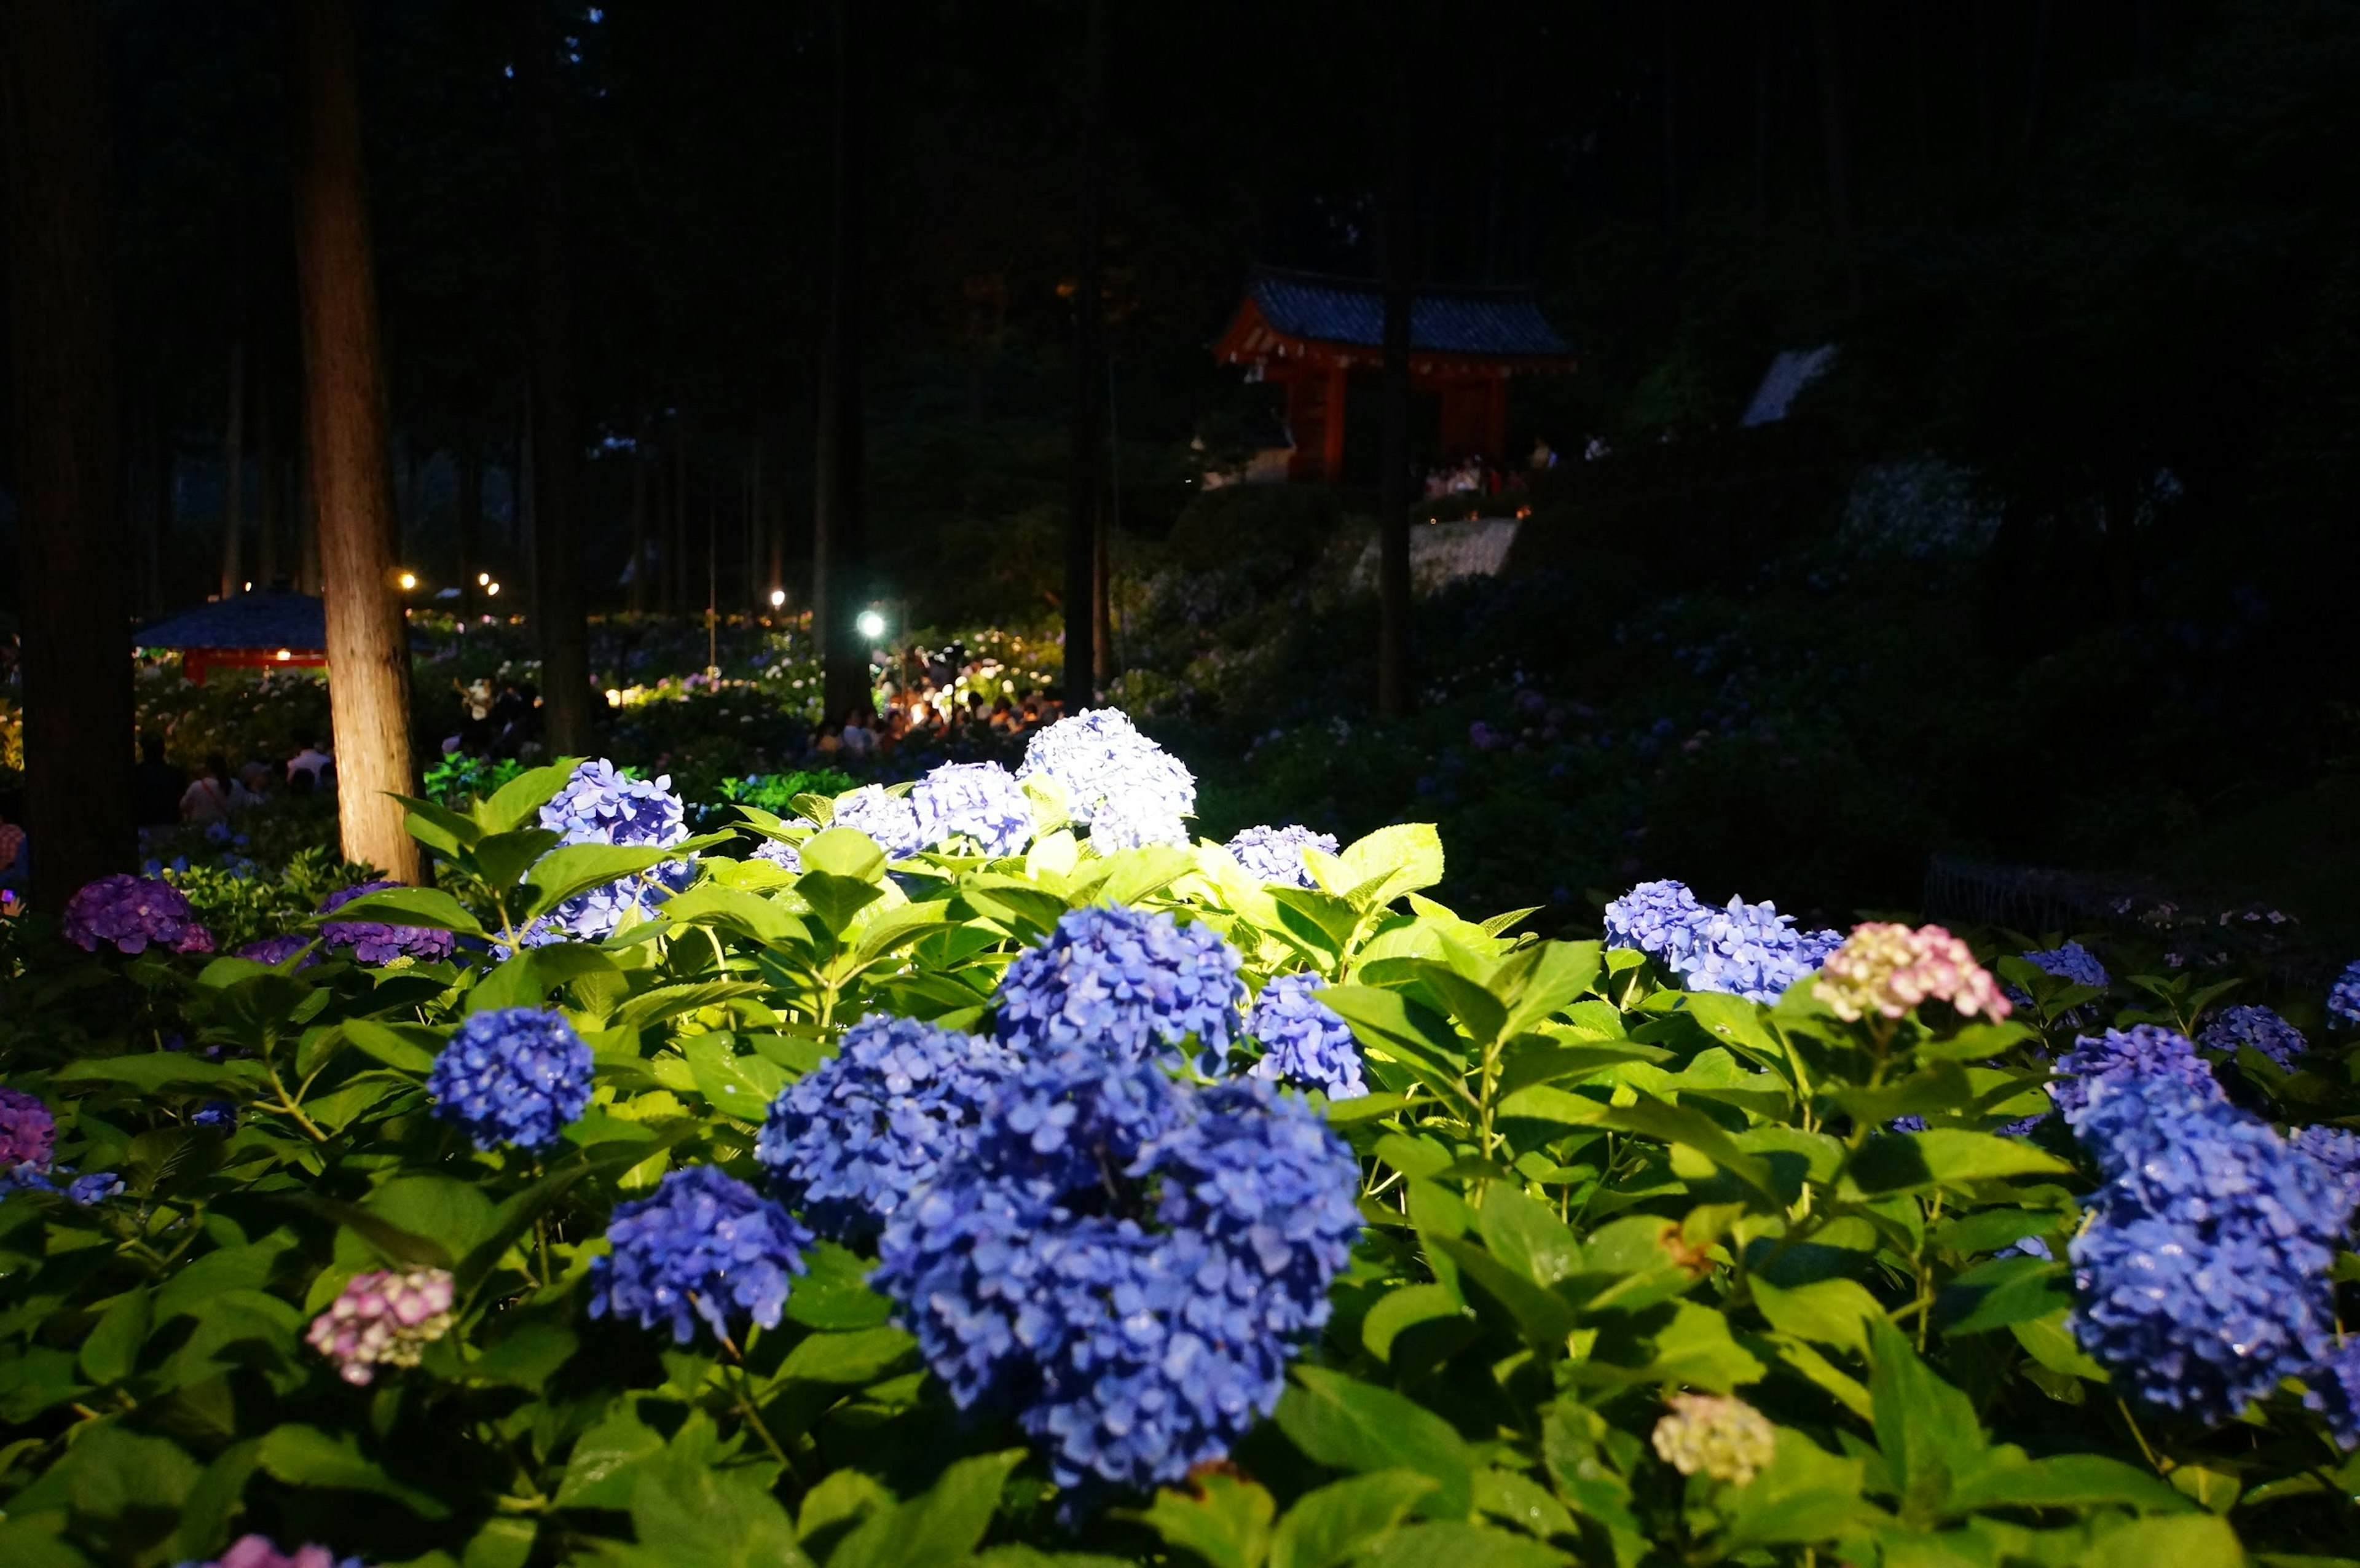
x: 1791, y: 370
x: 265, y: 619
x: 1503, y: 322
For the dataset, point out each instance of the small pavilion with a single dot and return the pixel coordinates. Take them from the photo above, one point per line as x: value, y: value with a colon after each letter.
x: 267, y: 629
x: 1309, y: 331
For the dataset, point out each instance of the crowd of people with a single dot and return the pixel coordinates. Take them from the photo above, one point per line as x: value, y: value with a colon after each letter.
x: 167, y: 796
x: 934, y: 700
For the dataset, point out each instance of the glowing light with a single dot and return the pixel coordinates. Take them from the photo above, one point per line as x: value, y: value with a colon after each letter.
x: 614, y: 698
x: 490, y: 587
x: 778, y: 597
x: 870, y: 623
x: 284, y: 654
x: 408, y: 580
x: 483, y: 579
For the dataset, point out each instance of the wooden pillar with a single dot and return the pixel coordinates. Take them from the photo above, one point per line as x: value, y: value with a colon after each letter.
x: 1495, y: 421
x: 1331, y: 446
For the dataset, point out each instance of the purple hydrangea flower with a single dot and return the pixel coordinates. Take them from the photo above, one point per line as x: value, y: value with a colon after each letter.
x: 2343, y: 997
x: 219, y: 1115
x: 1746, y: 950
x: 28, y: 1131
x: 1303, y: 1042
x: 973, y: 803
x: 514, y: 1075
x: 1275, y: 855
x: 703, y: 1247
x: 854, y: 1136
x: 599, y: 805
x: 373, y: 941
x: 132, y: 912
x: 883, y: 816
x: 383, y: 1319
x: 2233, y: 1028
x: 1099, y: 756
x: 2071, y: 961
x: 260, y: 1552
x: 277, y: 950
x: 1125, y: 1263
x: 2336, y: 1150
x: 1121, y: 981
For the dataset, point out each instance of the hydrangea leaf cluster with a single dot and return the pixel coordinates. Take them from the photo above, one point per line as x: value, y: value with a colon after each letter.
x: 512, y: 1076
x: 2235, y: 1028
x: 2201, y: 1278
x: 1746, y: 950
x: 132, y: 914
x: 849, y: 1140
x: 703, y: 1248
x: 600, y: 805
x: 261, y: 1552
x: 383, y: 1319
x: 1275, y: 855
x: 2343, y: 997
x: 1122, y: 980
x: 1302, y: 1041
x: 373, y: 941
x: 1884, y: 970
x: 885, y: 817
x: 976, y: 805
x: 28, y: 1131
x: 1126, y: 1263
x: 1099, y: 757
x: 1711, y: 1434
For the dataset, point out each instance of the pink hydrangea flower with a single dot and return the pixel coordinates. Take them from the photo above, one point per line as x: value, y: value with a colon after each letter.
x: 1886, y: 969
x: 260, y: 1552
x: 383, y: 1319
x: 28, y: 1133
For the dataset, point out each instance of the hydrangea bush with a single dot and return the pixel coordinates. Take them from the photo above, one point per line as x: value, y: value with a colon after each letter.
x: 992, y: 1185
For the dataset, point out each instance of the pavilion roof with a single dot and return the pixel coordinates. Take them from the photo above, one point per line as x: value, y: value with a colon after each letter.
x: 268, y: 618
x: 1489, y: 322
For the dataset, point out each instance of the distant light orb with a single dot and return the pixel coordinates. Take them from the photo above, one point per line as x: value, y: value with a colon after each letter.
x: 614, y: 698
x: 778, y: 597
x: 408, y: 580
x: 284, y: 654
x: 872, y: 624
x: 483, y: 579
x: 490, y: 587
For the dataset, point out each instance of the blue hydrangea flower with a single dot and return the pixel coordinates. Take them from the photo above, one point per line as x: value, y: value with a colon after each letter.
x: 2067, y: 961
x: 2143, y: 1054
x: 2233, y: 1028
x: 1121, y: 981
x: 277, y: 950
x: 704, y: 1247
x: 1275, y: 855
x: 512, y: 1076
x: 2336, y: 1150
x: 886, y: 818
x: 2343, y: 997
x: 131, y: 913
x: 95, y: 1188
x: 1303, y: 1042
x: 1099, y: 756
x: 1126, y: 1264
x: 977, y: 804
x: 599, y: 805
x: 1746, y: 950
x: 1133, y: 822
x: 851, y: 1140
x: 373, y: 942
x: 2201, y: 1278
x: 217, y: 1114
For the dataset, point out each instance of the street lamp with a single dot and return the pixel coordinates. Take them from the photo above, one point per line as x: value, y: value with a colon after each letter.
x: 870, y: 623
x: 778, y: 597
x: 492, y: 588
x: 408, y: 580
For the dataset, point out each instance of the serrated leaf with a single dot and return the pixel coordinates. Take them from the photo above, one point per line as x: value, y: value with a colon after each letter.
x: 1325, y: 1526
x: 428, y: 906
x: 306, y: 1457
x: 1225, y: 1522
x: 1825, y: 1311
x: 1351, y: 1425
x: 842, y: 851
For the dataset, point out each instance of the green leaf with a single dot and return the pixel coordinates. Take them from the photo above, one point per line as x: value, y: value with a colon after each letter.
x: 2002, y: 1290
x: 852, y: 1358
x: 2065, y: 1481
x: 689, y: 1514
x: 398, y: 1047
x: 937, y: 1529
x: 496, y: 1233
x: 1225, y: 1522
x: 1391, y: 862
x: 1957, y: 1158
x: 1556, y: 974
x: 834, y: 1291
x: 2187, y: 1540
x: 1324, y: 921
x: 1351, y: 1425
x: 1926, y: 1429
x: 1405, y: 1308
x: 503, y: 858
x: 247, y: 1267
x: 1325, y: 1526
x: 2047, y: 1341
x: 428, y: 906
x: 1543, y: 1317
x: 577, y: 867
x: 836, y: 901
x: 526, y: 979
x: 1681, y: 1125
x: 1825, y: 1311
x: 606, y: 1460
x: 451, y: 1213
x: 436, y: 825
x: 670, y: 1001
x: 112, y: 1348
x: 1454, y: 1545
x: 715, y: 903
x: 151, y: 1071
x: 735, y: 1085
x: 1392, y: 1025
x: 841, y: 852
x: 1527, y: 1235
x: 524, y: 795
x: 306, y: 1457
x: 1472, y: 1007
x: 1697, y: 1348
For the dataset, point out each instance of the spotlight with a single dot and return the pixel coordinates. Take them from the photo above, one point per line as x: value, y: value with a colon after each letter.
x: 408, y: 580
x: 870, y: 623
x: 778, y: 597
x: 491, y: 587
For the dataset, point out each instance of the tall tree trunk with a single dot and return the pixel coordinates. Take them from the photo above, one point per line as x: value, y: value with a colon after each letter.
x: 775, y: 537
x: 839, y: 543
x: 561, y: 623
x: 307, y: 522
x: 757, y: 601
x: 1396, y: 240
x: 1083, y: 523
x: 635, y: 598
x: 1829, y: 44
x: 77, y: 658
x: 1766, y: 26
x: 267, y: 486
x: 152, y: 522
x: 233, y: 568
x: 468, y: 527
x: 343, y: 364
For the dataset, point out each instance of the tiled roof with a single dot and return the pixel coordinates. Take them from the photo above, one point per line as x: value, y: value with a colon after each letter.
x: 263, y: 619
x: 1790, y: 372
x: 1504, y: 322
